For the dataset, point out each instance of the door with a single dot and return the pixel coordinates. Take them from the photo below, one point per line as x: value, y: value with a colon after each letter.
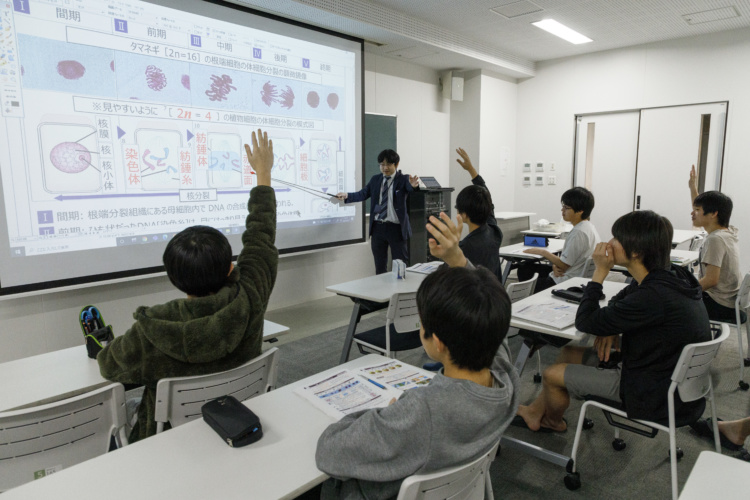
x: 605, y: 164
x: 671, y: 140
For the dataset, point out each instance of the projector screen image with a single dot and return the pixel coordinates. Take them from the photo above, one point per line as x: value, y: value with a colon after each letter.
x: 123, y: 122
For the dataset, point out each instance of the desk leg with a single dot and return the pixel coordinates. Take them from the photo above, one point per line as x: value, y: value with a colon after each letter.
x: 523, y: 355
x: 350, y: 333
x: 537, y: 452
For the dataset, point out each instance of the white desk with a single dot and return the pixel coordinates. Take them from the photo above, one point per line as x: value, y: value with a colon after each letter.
x: 683, y: 235
x: 63, y: 374
x: 514, y: 254
x: 378, y: 288
x: 512, y: 223
x: 611, y: 288
x: 192, y: 462
x: 716, y: 476
x: 548, y: 234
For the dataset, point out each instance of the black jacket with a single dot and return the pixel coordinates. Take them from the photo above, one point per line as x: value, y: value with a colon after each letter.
x: 401, y: 190
x: 481, y: 246
x: 657, y: 319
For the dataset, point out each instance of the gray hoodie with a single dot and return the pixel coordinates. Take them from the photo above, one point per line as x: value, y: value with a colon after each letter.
x: 447, y: 423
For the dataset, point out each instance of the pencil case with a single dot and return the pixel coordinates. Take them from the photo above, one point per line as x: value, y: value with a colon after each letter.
x: 96, y: 333
x: 234, y: 422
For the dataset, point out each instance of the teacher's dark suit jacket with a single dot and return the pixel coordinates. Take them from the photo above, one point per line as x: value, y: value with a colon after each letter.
x: 401, y: 189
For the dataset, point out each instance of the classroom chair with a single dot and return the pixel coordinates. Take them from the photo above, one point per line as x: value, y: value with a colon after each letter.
x: 742, y: 304
x: 179, y: 399
x: 401, y: 330
x: 691, y: 378
x: 464, y: 482
x: 516, y: 292
x: 588, y: 268
x: 41, y: 440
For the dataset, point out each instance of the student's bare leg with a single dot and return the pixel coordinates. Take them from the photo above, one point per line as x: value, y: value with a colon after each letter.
x: 548, y: 408
x: 736, y: 430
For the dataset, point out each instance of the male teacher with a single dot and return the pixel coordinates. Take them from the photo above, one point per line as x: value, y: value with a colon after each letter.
x: 389, y: 222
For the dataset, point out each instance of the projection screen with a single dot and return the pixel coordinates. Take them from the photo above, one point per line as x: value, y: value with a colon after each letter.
x: 123, y: 122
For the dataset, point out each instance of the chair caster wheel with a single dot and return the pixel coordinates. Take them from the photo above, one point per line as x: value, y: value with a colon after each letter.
x: 572, y: 481
x: 746, y: 361
x: 744, y: 385
x: 538, y: 378
x: 588, y: 424
x: 680, y: 454
x: 618, y: 444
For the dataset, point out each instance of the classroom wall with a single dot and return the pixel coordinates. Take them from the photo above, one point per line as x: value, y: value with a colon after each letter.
x: 691, y: 70
x: 44, y: 323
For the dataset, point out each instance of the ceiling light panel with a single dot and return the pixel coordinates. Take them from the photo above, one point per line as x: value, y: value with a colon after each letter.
x: 562, y: 31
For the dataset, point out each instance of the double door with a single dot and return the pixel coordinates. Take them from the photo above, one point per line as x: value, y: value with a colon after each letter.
x: 640, y: 160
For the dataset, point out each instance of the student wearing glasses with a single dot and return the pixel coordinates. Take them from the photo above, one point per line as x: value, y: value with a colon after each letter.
x: 577, y: 204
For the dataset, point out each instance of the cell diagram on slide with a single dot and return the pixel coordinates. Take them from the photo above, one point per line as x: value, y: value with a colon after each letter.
x: 69, y: 158
x: 323, y: 168
x: 224, y: 160
x: 284, y: 160
x: 159, y: 152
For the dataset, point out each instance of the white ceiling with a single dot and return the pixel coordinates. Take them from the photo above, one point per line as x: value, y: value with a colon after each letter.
x: 468, y: 34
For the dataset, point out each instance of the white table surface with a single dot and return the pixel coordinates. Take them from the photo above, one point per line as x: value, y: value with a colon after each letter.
x: 62, y: 374
x: 192, y: 462
x: 378, y: 288
x: 509, y: 251
x: 683, y: 235
x: 610, y: 289
x: 512, y: 215
x: 717, y: 476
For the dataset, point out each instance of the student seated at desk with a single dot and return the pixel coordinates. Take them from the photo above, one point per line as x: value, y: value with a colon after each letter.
x: 474, y: 205
x: 577, y: 205
x: 219, y: 325
x: 460, y: 415
x: 658, y: 314
x: 720, y: 274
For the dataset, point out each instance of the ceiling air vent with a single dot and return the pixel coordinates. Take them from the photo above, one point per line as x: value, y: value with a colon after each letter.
x: 708, y: 16
x: 516, y: 9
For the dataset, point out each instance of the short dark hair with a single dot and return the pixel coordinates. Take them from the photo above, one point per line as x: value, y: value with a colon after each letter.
x: 469, y: 311
x: 389, y: 156
x: 476, y: 202
x: 579, y: 199
x: 197, y: 260
x: 646, y: 234
x: 715, y: 202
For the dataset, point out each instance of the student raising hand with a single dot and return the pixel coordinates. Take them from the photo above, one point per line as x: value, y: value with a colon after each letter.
x: 446, y: 235
x: 693, y: 184
x: 465, y: 162
x: 261, y: 157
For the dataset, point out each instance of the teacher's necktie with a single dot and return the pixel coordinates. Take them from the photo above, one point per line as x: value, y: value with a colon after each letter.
x: 383, y: 205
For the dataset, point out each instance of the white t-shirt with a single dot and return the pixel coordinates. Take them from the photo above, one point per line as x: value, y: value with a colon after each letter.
x: 722, y: 249
x: 579, y: 245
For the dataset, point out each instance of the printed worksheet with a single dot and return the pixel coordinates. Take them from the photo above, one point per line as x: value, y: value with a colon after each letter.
x: 346, y: 392
x: 554, y: 313
x: 397, y: 375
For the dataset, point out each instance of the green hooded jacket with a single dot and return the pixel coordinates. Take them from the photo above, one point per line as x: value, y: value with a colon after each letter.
x: 201, y: 335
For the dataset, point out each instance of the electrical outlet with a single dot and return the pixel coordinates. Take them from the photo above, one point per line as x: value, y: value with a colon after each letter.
x: 551, y: 180
x: 552, y: 167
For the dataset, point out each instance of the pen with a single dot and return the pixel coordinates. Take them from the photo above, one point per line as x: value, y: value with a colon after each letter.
x: 375, y: 383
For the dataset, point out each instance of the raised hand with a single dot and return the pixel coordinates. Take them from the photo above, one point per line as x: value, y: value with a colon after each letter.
x: 693, y: 184
x: 414, y: 181
x: 261, y: 157
x: 465, y: 162
x: 444, y: 245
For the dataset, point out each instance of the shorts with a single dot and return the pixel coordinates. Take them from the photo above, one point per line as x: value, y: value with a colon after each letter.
x: 587, y: 379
